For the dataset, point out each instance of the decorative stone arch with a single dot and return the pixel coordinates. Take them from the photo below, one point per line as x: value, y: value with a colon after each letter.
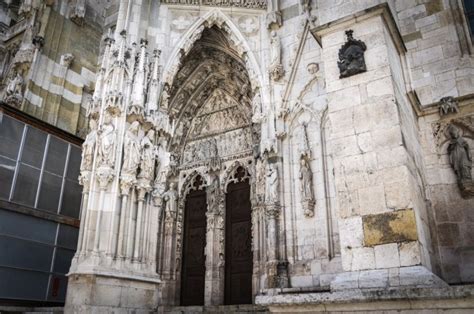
x: 188, y: 183
x: 230, y: 174
x: 215, y: 18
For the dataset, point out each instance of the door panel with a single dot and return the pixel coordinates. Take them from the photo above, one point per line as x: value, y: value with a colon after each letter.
x: 238, y: 264
x: 193, y: 267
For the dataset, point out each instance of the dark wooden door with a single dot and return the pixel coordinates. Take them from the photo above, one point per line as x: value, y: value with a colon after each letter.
x: 238, y: 250
x: 193, y: 269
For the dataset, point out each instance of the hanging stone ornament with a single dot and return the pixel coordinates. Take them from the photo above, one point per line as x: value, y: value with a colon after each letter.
x: 351, y: 57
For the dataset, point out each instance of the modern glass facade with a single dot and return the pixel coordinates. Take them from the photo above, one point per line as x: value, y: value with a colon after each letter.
x: 40, y: 200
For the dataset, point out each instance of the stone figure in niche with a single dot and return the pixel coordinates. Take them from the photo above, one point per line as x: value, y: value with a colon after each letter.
x: 276, y: 68
x: 461, y: 161
x: 271, y: 185
x: 306, y: 178
x: 148, y: 155
x: 306, y: 187
x: 351, y: 56
x: 15, y: 85
x: 88, y: 147
x: 212, y: 193
x: 106, y: 147
x: 448, y: 105
x: 171, y: 199
x: 131, y: 149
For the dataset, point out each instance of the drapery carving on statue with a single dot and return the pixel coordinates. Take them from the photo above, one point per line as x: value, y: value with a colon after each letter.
x: 14, y: 89
x: 88, y: 147
x: 276, y: 70
x: 147, y: 164
x: 460, y: 159
x: 106, y: 145
x: 306, y: 187
x: 213, y: 194
x: 131, y: 149
x: 257, y: 108
x: 171, y: 207
x: 272, y: 185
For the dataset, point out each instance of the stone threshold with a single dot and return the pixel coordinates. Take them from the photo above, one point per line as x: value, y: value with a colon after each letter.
x: 239, y: 308
x: 30, y: 309
x: 450, y: 297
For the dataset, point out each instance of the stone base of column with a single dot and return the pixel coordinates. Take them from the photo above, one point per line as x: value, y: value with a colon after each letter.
x: 94, y: 293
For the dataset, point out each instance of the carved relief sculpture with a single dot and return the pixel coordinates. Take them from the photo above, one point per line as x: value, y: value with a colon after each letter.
x: 131, y: 149
x: 106, y: 146
x: 461, y: 161
x: 271, y: 185
x: 14, y: 93
x: 147, y: 165
x: 88, y: 147
x: 351, y: 56
x: 171, y: 207
x: 448, y: 105
x: 276, y: 68
x: 306, y: 188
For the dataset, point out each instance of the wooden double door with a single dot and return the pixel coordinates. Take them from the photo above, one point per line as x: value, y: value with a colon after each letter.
x: 238, y: 252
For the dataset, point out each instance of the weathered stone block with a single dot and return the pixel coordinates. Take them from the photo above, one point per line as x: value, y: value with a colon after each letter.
x: 390, y: 227
x: 387, y: 256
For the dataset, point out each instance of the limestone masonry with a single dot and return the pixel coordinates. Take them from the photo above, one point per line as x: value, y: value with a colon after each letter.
x: 296, y: 155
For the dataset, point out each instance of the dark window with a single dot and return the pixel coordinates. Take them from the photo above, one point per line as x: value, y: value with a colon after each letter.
x: 469, y: 10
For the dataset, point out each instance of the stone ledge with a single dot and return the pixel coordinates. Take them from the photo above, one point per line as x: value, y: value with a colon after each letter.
x: 447, y: 297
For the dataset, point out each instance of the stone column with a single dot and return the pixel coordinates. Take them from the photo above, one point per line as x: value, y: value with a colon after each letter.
x: 215, y: 250
x: 85, y: 181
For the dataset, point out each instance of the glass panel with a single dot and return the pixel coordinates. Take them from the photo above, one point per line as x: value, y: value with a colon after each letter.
x: 62, y: 261
x: 7, y: 170
x: 50, y: 192
x: 72, y: 196
x: 19, y: 253
x: 21, y: 284
x: 68, y: 236
x: 469, y: 5
x: 57, y: 288
x: 74, y: 163
x: 33, y: 149
x: 11, y: 132
x: 27, y: 227
x: 56, y: 156
x: 26, y: 185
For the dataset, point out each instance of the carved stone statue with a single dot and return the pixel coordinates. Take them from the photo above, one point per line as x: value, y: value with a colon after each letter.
x: 276, y: 68
x: 131, y: 149
x: 171, y: 199
x: 351, y: 57
x: 459, y: 155
x: 306, y: 178
x: 106, y: 146
x: 448, y: 105
x: 212, y: 193
x: 271, y: 185
x: 88, y: 147
x: 15, y: 85
x: 147, y: 165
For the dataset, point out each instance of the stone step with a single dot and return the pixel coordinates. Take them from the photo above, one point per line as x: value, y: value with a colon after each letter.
x: 241, y: 308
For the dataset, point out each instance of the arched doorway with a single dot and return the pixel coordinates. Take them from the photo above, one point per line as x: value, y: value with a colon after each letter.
x: 210, y: 102
x: 238, y: 246
x: 194, y: 241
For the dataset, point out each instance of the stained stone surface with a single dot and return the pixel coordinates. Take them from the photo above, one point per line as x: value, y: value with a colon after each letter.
x: 359, y: 194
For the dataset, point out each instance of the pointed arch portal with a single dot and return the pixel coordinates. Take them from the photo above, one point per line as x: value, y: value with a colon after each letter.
x: 210, y: 99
